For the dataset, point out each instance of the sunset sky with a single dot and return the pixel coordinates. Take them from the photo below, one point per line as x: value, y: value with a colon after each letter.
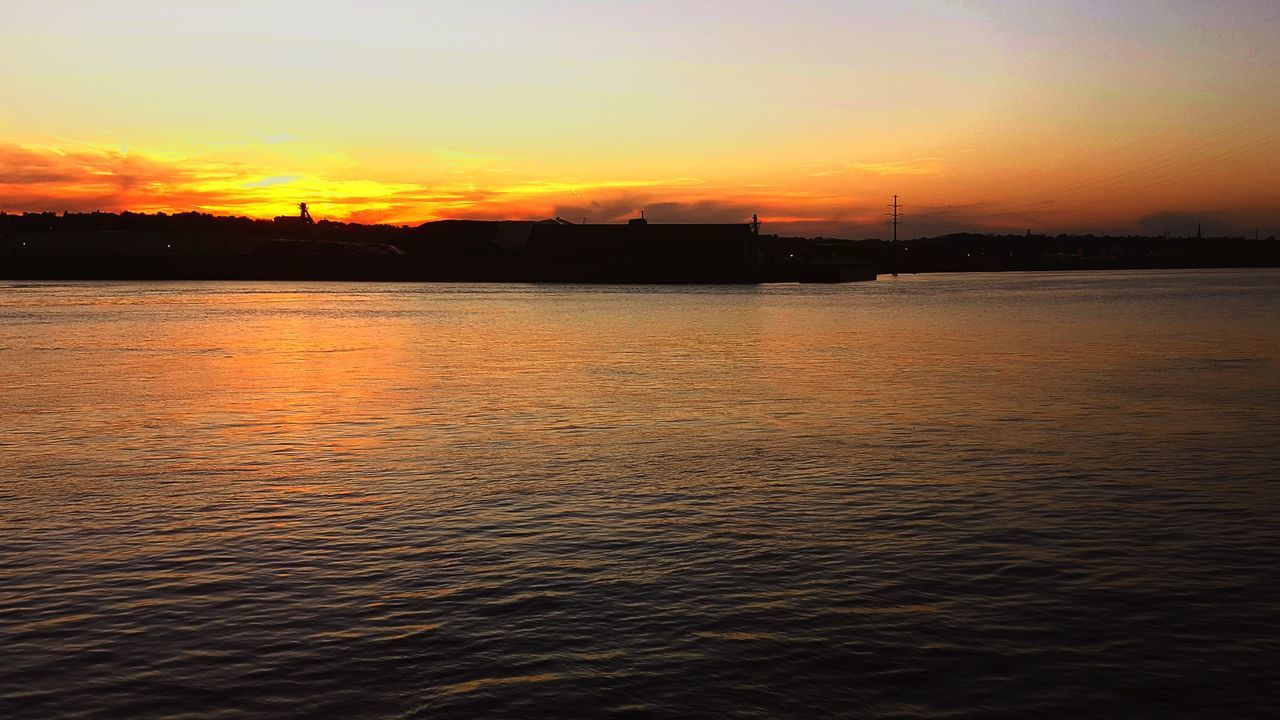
x: 1116, y: 116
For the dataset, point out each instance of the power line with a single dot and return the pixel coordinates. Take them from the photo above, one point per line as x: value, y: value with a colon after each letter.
x: 895, y: 222
x: 1189, y: 168
x: 1224, y: 142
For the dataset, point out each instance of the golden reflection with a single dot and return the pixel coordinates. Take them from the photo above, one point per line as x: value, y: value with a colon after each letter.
x: 486, y: 683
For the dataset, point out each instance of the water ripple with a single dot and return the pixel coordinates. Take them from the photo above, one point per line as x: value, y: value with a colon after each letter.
x: 949, y: 496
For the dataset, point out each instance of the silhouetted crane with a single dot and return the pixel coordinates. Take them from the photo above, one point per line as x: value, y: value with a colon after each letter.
x: 302, y: 219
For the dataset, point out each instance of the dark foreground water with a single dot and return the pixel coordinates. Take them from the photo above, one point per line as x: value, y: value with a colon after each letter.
x: 1019, y: 495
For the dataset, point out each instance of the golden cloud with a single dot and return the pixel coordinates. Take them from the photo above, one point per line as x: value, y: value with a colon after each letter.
x: 81, y: 177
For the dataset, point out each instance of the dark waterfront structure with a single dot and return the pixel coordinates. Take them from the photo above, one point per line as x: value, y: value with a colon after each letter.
x: 643, y: 252
x: 194, y: 246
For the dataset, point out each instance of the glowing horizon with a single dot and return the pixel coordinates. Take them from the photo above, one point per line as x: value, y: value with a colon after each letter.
x: 994, y: 115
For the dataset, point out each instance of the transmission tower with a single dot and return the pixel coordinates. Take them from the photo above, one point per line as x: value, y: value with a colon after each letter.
x: 895, y: 217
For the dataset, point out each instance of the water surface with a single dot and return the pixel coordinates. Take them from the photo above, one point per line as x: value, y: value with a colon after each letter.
x: 1018, y: 495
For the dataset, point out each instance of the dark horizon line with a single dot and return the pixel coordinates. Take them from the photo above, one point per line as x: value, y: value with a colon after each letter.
x: 418, y: 224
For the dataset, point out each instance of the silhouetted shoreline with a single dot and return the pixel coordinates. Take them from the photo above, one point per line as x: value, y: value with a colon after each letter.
x: 194, y: 246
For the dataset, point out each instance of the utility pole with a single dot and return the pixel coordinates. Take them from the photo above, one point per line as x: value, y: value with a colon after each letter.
x: 895, y: 222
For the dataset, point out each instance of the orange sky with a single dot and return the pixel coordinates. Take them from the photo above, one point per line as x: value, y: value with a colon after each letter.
x: 997, y: 114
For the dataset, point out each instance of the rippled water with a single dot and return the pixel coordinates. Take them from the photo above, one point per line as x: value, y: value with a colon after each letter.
x: 1022, y: 495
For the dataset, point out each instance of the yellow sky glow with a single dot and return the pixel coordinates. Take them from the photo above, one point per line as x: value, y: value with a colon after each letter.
x: 1111, y: 117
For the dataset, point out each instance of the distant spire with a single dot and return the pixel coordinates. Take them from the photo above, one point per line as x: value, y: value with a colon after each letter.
x: 1199, y: 234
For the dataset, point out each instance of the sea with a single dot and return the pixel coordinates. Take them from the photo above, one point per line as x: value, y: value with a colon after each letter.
x: 1015, y: 495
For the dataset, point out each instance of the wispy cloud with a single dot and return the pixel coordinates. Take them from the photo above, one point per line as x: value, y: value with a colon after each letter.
x: 81, y: 176
x: 915, y: 166
x: 575, y: 187
x: 274, y: 180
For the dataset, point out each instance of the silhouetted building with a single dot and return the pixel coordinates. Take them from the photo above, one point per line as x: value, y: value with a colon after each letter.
x: 296, y: 222
x: 643, y: 252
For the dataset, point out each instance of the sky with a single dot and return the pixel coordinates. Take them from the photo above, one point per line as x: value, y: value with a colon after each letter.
x: 982, y: 115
